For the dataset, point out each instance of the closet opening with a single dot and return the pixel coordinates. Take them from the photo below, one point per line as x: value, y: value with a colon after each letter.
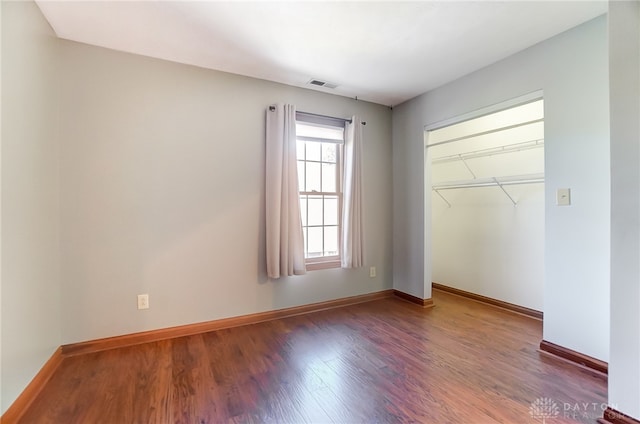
x: 484, y: 173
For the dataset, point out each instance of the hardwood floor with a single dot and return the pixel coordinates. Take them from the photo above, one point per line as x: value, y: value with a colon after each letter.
x: 386, y: 361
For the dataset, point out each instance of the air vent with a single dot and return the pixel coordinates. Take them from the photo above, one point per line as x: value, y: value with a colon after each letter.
x: 320, y: 83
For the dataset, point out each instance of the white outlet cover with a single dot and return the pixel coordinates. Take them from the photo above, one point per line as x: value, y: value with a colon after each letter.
x: 143, y: 301
x: 563, y: 197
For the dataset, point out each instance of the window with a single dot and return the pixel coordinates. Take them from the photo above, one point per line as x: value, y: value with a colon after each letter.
x: 319, y: 151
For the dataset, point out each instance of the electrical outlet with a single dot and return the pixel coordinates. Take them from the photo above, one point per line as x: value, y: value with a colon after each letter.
x: 372, y: 272
x: 143, y: 301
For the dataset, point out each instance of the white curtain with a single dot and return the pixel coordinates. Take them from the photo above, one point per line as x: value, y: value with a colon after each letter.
x: 352, y: 236
x: 285, y: 243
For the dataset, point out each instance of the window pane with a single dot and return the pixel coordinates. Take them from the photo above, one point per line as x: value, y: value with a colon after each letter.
x: 300, y: 149
x: 313, y: 177
x: 329, y: 177
x: 301, y: 175
x: 330, y: 210
x: 329, y: 152
x: 313, y: 150
x: 303, y: 210
x: 314, y: 240
x: 330, y: 241
x: 314, y: 206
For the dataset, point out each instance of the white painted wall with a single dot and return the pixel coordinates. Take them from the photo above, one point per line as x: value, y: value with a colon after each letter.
x: 571, y: 69
x: 485, y: 245
x: 624, y: 62
x: 162, y: 192
x: 30, y: 219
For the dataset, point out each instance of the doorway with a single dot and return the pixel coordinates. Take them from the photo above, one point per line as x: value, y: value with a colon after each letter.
x: 485, y: 177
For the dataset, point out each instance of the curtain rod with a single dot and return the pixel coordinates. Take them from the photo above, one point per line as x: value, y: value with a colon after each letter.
x: 272, y: 108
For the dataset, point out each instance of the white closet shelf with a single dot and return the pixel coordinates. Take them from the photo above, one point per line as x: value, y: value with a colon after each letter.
x: 489, y: 182
x: 491, y: 151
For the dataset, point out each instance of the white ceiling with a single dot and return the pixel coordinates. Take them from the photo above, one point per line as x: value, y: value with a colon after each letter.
x: 384, y: 51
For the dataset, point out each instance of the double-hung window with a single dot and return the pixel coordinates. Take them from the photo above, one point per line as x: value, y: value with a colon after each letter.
x: 319, y: 151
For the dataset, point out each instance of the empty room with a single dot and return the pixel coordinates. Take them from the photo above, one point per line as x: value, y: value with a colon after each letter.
x: 320, y: 212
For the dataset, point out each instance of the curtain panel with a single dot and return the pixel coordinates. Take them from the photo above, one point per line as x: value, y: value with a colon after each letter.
x: 352, y: 225
x: 284, y: 238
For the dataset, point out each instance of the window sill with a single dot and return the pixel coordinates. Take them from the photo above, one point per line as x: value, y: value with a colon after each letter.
x: 326, y: 264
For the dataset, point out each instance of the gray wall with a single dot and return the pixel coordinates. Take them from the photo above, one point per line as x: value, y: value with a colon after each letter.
x: 624, y: 366
x: 162, y: 192
x: 30, y: 220
x: 572, y: 70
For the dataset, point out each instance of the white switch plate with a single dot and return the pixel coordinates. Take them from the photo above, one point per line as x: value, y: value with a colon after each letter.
x: 143, y: 301
x: 372, y: 272
x: 563, y: 197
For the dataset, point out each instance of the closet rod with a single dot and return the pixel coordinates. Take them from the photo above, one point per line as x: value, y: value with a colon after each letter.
x: 500, y: 182
x: 491, y: 182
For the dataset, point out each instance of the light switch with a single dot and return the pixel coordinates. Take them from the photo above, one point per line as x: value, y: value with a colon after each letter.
x: 563, y: 197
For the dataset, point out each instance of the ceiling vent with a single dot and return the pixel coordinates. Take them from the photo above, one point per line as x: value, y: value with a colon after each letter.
x: 320, y: 83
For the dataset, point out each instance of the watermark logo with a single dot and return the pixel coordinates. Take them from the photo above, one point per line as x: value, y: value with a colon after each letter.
x: 544, y: 408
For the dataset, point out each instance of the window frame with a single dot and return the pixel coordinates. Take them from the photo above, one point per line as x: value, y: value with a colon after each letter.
x: 333, y: 261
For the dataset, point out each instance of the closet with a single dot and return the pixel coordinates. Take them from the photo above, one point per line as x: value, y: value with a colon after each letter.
x: 487, y: 204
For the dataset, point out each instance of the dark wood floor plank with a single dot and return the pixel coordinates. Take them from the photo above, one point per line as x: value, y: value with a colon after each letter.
x: 385, y: 361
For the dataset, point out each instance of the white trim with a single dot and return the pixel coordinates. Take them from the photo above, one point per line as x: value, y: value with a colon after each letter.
x: 497, y: 107
x: 494, y: 130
